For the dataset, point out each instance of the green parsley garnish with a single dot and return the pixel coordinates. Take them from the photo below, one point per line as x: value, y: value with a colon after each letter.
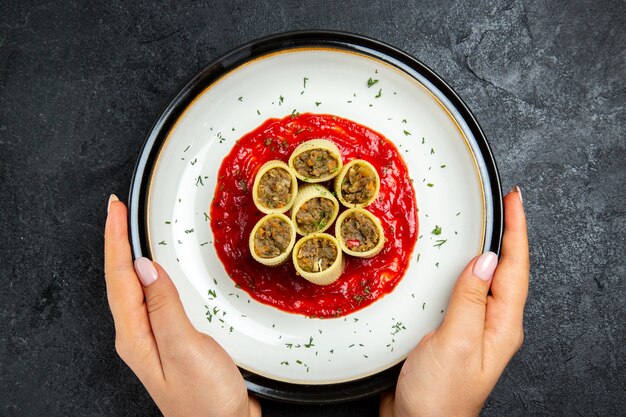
x: 371, y: 82
x: 436, y: 230
x: 380, y: 93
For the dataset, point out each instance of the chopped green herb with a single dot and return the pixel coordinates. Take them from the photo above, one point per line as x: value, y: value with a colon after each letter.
x: 430, y: 184
x: 406, y: 133
x: 403, y: 120
x: 397, y: 328
x: 380, y: 93
x: 280, y: 100
x: 439, y: 243
x: 371, y: 82
x: 212, y: 293
x: 206, y: 216
x: 199, y: 180
x: 258, y: 112
x: 189, y: 231
x: 304, y: 81
x: 432, y: 151
x: 308, y: 345
x: 162, y: 243
x: 168, y: 222
x: 240, y: 98
x: 317, y: 103
x: 187, y: 148
x: 443, y: 166
x: 436, y: 230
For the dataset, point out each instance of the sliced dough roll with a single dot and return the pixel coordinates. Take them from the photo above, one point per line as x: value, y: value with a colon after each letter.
x: 314, y: 210
x: 359, y: 233
x: 272, y: 239
x: 358, y: 184
x: 316, y: 160
x: 318, y: 258
x: 275, y: 187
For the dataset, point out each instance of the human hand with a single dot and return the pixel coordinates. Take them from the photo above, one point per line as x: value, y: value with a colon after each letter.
x: 454, y: 368
x: 186, y: 372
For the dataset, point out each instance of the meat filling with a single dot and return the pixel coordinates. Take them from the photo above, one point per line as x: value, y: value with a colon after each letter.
x: 314, y: 214
x: 272, y: 238
x: 359, y: 232
x: 315, y: 163
x: 359, y: 184
x: 275, y: 188
x: 316, y: 255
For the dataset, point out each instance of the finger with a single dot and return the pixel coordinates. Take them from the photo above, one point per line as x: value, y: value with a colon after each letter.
x: 134, y: 341
x: 170, y: 324
x: 255, y: 407
x: 123, y: 288
x: 386, y: 404
x: 505, y: 308
x: 511, y: 279
x: 465, y: 319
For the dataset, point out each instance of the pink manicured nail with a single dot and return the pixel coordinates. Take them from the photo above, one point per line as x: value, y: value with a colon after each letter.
x: 112, y: 198
x: 485, y: 266
x: 146, y: 271
x: 517, y: 190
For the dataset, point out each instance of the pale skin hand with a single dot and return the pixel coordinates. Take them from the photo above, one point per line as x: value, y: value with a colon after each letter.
x: 453, y: 369
x: 186, y: 372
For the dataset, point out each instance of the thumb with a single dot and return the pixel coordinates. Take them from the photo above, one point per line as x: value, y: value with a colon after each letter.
x: 168, y: 319
x: 466, y: 310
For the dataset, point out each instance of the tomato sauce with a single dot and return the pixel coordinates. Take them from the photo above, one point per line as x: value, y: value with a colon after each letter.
x: 233, y: 215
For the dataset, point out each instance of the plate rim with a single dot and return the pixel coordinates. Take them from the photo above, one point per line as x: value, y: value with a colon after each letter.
x: 154, y: 140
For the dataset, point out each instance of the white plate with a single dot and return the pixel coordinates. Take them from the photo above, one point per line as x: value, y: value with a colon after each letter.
x: 175, y: 183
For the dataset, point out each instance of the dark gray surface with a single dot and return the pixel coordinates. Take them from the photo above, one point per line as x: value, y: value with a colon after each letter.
x: 81, y: 83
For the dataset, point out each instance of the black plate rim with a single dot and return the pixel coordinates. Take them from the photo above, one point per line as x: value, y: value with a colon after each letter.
x: 262, y: 386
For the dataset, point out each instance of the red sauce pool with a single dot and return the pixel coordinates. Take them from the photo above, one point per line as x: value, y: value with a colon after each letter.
x: 233, y: 215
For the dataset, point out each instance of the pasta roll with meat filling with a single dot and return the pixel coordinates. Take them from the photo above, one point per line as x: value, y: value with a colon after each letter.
x: 316, y: 160
x: 275, y: 187
x: 318, y: 258
x: 272, y: 239
x: 359, y: 233
x: 358, y: 184
x: 314, y: 210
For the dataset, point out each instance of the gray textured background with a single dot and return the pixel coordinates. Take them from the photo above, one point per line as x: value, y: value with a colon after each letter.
x: 81, y: 83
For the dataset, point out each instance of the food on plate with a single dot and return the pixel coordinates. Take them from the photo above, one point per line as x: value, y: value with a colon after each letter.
x: 361, y: 281
x: 272, y: 239
x: 314, y: 210
x: 359, y: 233
x: 316, y: 160
x: 275, y: 187
x: 318, y: 258
x: 358, y: 184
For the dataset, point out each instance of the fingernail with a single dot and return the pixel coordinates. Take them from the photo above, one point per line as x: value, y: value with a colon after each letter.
x: 146, y: 271
x: 485, y: 266
x: 517, y: 190
x: 112, y: 198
